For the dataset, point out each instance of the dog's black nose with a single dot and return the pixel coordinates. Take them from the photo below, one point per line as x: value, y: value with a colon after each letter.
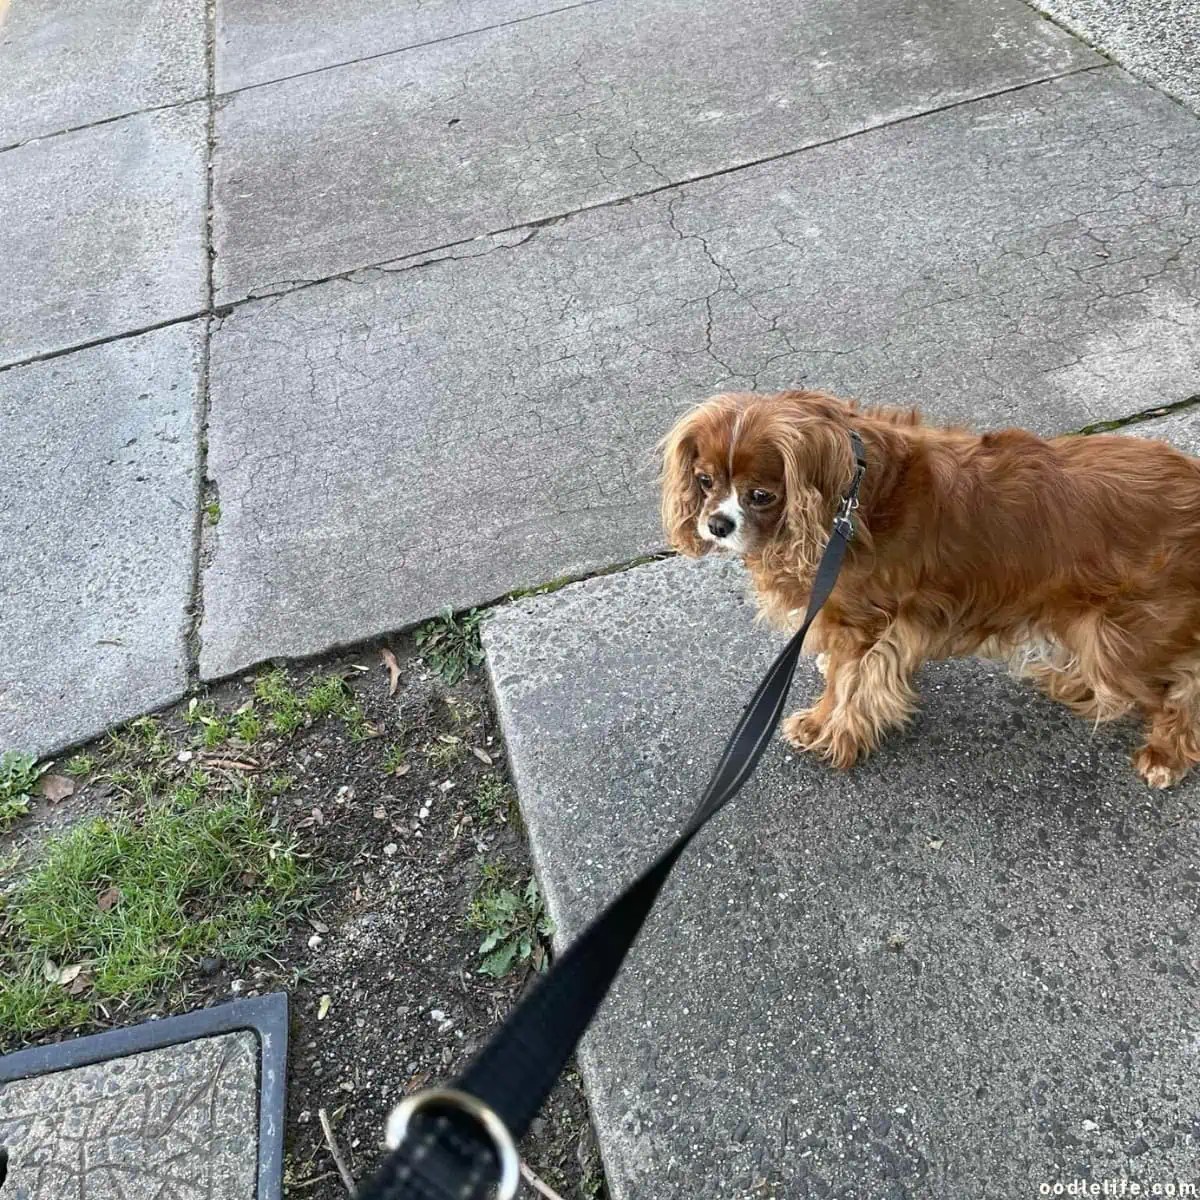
x: 719, y: 525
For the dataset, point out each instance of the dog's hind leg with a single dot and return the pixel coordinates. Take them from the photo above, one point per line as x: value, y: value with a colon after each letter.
x: 1052, y: 669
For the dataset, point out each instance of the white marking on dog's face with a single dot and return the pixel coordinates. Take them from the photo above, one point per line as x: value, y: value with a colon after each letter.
x: 728, y: 512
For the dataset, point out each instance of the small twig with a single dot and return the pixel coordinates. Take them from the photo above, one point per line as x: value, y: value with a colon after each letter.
x: 538, y: 1186
x: 335, y: 1152
x: 306, y: 1183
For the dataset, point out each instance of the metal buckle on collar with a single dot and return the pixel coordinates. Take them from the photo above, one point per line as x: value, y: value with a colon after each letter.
x: 502, y: 1143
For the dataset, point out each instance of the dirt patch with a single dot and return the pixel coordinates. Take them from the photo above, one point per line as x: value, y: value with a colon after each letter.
x: 402, y: 806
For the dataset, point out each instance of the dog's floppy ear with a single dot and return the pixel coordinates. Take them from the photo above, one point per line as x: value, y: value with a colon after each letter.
x: 681, y: 495
x: 818, y: 462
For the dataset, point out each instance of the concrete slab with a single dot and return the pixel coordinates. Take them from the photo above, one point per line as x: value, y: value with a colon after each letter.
x: 351, y: 167
x: 263, y: 40
x: 395, y: 442
x: 103, y: 231
x: 65, y: 66
x: 179, y: 1121
x: 97, y: 496
x: 968, y: 967
x: 1158, y: 40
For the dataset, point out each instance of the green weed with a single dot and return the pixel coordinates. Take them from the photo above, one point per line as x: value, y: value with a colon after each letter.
x: 493, y: 800
x: 513, y: 920
x: 19, y: 774
x: 451, y: 645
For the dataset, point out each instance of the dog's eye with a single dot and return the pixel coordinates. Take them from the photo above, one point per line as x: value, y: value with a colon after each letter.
x: 705, y: 482
x: 761, y: 499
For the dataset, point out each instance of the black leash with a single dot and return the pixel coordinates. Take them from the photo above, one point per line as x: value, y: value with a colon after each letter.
x: 459, y: 1143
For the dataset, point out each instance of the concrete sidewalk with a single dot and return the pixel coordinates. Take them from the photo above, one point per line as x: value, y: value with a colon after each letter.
x: 312, y: 327
x: 503, y: 245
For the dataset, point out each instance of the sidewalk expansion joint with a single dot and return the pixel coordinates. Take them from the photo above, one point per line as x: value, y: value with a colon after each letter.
x: 1147, y: 414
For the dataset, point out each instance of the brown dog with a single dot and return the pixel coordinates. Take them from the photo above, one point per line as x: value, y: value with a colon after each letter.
x: 1076, y: 559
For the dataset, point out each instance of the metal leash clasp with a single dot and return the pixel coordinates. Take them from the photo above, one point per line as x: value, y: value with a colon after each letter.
x: 843, y: 523
x: 502, y: 1143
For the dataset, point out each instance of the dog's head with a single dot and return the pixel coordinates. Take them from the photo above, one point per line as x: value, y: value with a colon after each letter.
x: 758, y: 476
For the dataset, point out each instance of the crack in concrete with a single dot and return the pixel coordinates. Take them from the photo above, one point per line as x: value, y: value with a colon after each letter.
x: 1137, y: 418
x: 204, y: 487
x: 46, y: 355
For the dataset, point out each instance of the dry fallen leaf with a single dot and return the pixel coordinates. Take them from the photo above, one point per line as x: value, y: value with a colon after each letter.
x: 249, y: 879
x: 389, y: 661
x: 318, y: 816
x: 323, y: 1007
x: 56, y: 787
x: 63, y: 975
x: 403, y: 769
x: 82, y: 982
x: 936, y: 843
x: 482, y: 755
x: 380, y: 813
x: 108, y: 898
x: 449, y: 739
x: 319, y: 926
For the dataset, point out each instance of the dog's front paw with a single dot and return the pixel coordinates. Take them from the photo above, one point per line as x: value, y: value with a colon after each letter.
x: 807, y: 731
x: 1158, y: 769
x: 803, y: 729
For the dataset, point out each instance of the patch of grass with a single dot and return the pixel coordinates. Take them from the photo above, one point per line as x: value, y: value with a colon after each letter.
x: 248, y: 725
x: 150, y: 739
x: 278, y: 784
x: 493, y: 800
x: 333, y: 696
x: 446, y: 752
x: 450, y: 644
x: 132, y: 898
x: 120, y: 745
x: 213, y: 729
x: 326, y: 696
x: 19, y: 774
x: 199, y: 711
x: 212, y: 512
x: 214, y: 733
x: 513, y: 920
x: 136, y: 783
x: 81, y: 765
x: 393, y: 758
x: 285, y: 710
